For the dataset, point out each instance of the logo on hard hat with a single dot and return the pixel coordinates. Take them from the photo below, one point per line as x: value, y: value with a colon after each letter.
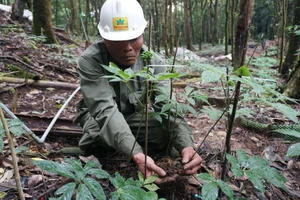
x: 120, y: 23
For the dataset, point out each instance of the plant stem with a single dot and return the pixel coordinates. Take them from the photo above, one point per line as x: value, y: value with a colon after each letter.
x: 229, y: 130
x: 13, y: 155
x: 171, y: 94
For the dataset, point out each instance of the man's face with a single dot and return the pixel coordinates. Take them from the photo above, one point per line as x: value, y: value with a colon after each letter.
x: 125, y: 52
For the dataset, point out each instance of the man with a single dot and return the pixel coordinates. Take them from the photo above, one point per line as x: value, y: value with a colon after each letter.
x: 109, y: 113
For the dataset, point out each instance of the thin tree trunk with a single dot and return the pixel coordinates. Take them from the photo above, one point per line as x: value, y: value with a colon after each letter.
x: 170, y: 27
x: 293, y: 86
x: 165, y: 29
x: 42, y: 19
x: 187, y: 25
x: 18, y: 10
x: 226, y: 27
x: 242, y: 32
x: 284, y: 7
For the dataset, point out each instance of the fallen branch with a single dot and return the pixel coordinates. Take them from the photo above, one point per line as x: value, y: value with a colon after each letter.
x: 41, y: 83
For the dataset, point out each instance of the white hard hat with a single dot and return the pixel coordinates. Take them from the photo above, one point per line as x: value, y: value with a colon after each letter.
x: 121, y: 20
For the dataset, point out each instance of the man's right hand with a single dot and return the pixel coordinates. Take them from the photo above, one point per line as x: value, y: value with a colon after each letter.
x: 152, y: 168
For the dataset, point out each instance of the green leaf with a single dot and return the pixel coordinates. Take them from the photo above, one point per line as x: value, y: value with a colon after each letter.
x: 235, y: 167
x: 167, y: 107
x: 188, y: 90
x: 288, y: 133
x: 150, y: 179
x: 91, y: 164
x: 83, y: 193
x: 294, y: 150
x: 1, y: 145
x: 209, y: 191
x: 151, y: 187
x: 242, y: 157
x: 271, y: 175
x: 242, y: 71
x: 164, y: 76
x: 255, y: 162
x: 131, y: 193
x: 256, y: 181
x: 209, y: 76
x: 99, y: 173
x: 232, y: 159
x: 54, y: 167
x: 286, y: 110
x: 20, y: 149
x: 112, y: 69
x: 225, y: 188
x: 141, y: 176
x: 132, y: 182
x: 118, y: 181
x: 76, y: 167
x: 205, y: 177
x: 95, y: 188
x: 151, y: 195
x: 66, y: 191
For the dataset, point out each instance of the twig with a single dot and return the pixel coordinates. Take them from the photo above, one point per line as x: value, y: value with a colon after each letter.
x: 171, y: 94
x: 13, y: 155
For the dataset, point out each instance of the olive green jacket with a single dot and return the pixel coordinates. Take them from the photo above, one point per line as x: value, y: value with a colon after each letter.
x: 110, y: 102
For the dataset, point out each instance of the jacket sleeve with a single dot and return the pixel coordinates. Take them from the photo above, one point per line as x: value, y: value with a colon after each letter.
x: 98, y: 96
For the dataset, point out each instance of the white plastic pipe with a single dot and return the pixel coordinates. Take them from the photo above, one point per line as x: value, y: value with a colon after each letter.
x: 43, y: 138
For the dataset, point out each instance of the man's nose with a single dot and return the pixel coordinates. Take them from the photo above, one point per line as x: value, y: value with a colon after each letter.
x: 126, y: 46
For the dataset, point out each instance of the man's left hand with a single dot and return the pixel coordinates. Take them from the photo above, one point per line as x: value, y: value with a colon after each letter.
x: 191, y: 161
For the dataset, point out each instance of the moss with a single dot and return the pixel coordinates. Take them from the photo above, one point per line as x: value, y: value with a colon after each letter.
x: 19, y: 73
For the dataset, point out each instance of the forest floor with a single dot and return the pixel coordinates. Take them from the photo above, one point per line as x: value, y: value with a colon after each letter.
x: 37, y: 104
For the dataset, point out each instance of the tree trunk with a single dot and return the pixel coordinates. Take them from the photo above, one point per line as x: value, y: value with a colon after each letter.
x: 215, y: 27
x: 18, y: 10
x: 165, y: 29
x: 242, y: 32
x: 226, y: 27
x: 74, y: 20
x: 170, y: 27
x: 284, y: 9
x: 294, y: 42
x: 42, y: 19
x: 293, y: 86
x: 187, y: 25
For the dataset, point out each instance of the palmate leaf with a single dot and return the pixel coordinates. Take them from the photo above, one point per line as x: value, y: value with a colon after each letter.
x: 235, y: 167
x: 271, y: 175
x: 66, y: 191
x: 205, y: 177
x: 130, y: 192
x: 294, y: 150
x: 14, y: 126
x: 209, y: 191
x: 95, y: 188
x: 54, y: 167
x: 209, y: 76
x: 255, y: 162
x: 84, y: 193
x: 118, y: 181
x: 256, y: 180
x: 76, y: 167
x: 99, y: 173
x: 242, y: 157
x: 225, y: 188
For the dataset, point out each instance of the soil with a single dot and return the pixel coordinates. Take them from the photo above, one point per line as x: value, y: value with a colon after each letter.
x: 37, y: 105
